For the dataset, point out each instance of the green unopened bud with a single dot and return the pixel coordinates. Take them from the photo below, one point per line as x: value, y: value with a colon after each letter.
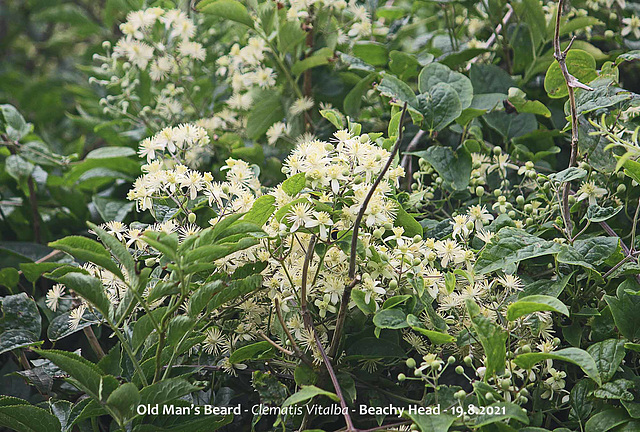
x: 417, y: 238
x: 416, y: 262
x: 505, y: 384
x: 364, y: 138
x: 460, y: 394
x: 191, y: 218
x: 621, y: 189
x: 609, y: 34
x: 414, y: 186
x: 467, y: 360
x: 377, y: 233
x: 411, y: 363
x: 528, y: 221
x: 489, y: 396
x: 402, y: 377
x: 470, y: 225
x: 459, y: 370
x: 512, y: 214
x: 393, y: 284
x: 387, y: 226
x: 497, y: 193
x: 479, y: 191
x: 520, y: 200
x: 525, y: 348
x: 572, y: 199
x: 528, y: 208
x: 497, y: 150
x: 328, y: 147
x: 150, y: 262
x: 451, y: 360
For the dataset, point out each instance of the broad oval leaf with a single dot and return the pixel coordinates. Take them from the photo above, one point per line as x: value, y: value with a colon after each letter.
x: 535, y: 303
x: 577, y: 356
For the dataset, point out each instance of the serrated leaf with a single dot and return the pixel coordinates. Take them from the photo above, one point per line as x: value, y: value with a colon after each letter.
x: 87, y: 374
x: 254, y: 351
x: 86, y: 249
x: 23, y: 417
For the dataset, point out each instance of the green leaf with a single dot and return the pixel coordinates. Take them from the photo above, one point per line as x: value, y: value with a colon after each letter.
x: 359, y: 299
x: 294, y: 184
x: 9, y: 277
x: 118, y: 250
x: 319, y: 58
x: 353, y: 99
x: 436, y: 73
x: 518, y: 99
x: 624, y: 309
x: 166, y: 391
x: 511, y: 246
x: 597, y: 214
x: 576, y: 356
x: 454, y: 168
x: 124, y: 400
x: 255, y: 351
x: 596, y: 250
x: 502, y: 411
x: 432, y: 422
x: 111, y: 209
x: 618, y: 389
x: 568, y: 175
x: 532, y: 13
x: 439, y: 106
x: 580, y: 64
x: 33, y: 271
x: 86, y: 249
x: 144, y: 326
x: 21, y: 323
x: 89, y: 288
x: 373, y: 348
x: 632, y: 169
x: 86, y: 374
x: 13, y: 123
x: 306, y: 393
x: 492, y: 337
x: 266, y: 111
x: 374, y: 53
x: 229, y: 9
x: 110, y: 153
x: 399, y: 91
x: 606, y: 420
x: 261, y: 210
x: 535, y: 303
x: 390, y: 319
x: 19, y: 168
x: 18, y: 415
x: 435, y: 337
x: 403, y: 219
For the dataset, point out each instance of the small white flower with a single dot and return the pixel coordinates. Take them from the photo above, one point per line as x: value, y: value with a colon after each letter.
x: 53, y: 296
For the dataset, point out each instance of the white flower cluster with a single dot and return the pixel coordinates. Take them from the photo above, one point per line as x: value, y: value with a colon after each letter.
x: 244, y: 68
x: 166, y: 178
x: 157, y: 43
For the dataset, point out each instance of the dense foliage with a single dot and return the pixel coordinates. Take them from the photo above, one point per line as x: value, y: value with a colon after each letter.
x: 319, y: 215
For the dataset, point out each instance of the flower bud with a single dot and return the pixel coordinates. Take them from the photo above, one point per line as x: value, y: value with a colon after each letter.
x: 451, y: 360
x: 191, y: 218
x: 402, y: 377
x: 479, y: 191
x: 411, y: 363
x: 460, y: 394
x: 459, y: 370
